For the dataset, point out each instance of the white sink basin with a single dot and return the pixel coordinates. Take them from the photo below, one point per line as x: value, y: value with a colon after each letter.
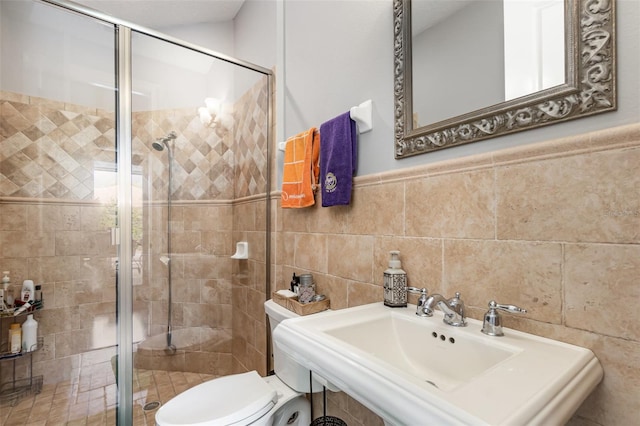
x: 412, y: 370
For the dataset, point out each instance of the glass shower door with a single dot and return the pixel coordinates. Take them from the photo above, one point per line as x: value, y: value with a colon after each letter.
x: 58, y: 203
x: 199, y: 141
x: 130, y: 164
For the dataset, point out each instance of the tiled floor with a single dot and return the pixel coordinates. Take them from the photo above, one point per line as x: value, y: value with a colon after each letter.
x: 91, y: 398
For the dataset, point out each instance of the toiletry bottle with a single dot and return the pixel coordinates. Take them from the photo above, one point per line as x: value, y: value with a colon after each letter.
x: 28, y: 291
x: 295, y: 283
x: 395, y: 283
x: 29, y: 334
x: 38, y: 302
x: 15, y: 338
x: 5, y: 285
x: 10, y: 299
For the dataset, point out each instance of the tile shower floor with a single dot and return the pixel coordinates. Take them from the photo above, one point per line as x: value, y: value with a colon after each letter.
x: 91, y: 398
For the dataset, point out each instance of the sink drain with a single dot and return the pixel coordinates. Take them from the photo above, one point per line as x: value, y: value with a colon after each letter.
x: 151, y: 406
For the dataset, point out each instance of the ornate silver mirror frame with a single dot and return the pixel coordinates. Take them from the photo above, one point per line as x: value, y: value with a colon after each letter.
x: 589, y: 87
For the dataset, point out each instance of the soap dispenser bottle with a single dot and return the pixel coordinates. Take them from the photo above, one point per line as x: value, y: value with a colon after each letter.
x: 395, y: 283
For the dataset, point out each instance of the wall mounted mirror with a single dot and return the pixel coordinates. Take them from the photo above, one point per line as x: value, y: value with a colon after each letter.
x: 469, y: 70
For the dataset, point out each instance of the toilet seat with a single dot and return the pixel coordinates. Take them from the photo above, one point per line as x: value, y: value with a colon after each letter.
x: 239, y: 398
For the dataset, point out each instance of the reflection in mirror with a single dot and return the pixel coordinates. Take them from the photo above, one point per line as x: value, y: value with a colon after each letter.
x: 522, y: 52
x: 468, y: 70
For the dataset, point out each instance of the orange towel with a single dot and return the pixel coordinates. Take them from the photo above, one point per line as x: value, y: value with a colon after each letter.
x: 301, y: 169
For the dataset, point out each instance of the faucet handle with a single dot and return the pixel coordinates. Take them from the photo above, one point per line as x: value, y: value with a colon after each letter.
x: 492, y: 324
x: 508, y: 308
x: 422, y: 300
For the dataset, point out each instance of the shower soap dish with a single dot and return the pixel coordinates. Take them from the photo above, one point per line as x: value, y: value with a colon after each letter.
x: 292, y: 304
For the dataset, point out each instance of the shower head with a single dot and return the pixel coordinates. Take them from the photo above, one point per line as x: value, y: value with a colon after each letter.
x: 160, y: 143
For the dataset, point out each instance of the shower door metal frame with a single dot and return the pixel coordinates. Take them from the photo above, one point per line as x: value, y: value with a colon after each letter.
x: 124, y: 276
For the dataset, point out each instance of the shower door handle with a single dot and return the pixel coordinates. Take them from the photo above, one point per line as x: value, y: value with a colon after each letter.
x: 115, y: 236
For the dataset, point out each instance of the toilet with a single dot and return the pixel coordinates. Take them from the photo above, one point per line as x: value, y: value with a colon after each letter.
x: 247, y: 398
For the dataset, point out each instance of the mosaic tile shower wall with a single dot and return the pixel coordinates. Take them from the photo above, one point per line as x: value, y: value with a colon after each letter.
x: 251, y: 141
x: 49, y: 148
x: 53, y: 230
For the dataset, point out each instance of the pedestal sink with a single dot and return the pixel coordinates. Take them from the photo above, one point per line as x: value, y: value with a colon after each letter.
x: 413, y: 370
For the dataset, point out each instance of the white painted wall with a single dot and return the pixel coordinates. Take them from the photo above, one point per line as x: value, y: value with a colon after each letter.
x: 338, y: 54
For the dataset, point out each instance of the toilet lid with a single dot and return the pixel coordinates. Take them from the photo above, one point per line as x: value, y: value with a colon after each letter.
x: 223, y: 401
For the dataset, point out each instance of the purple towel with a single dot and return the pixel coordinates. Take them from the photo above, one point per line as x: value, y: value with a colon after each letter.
x: 338, y: 159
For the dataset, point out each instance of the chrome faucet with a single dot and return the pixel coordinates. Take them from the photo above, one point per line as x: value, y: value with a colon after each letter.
x: 453, y: 309
x: 421, y: 300
x: 492, y: 324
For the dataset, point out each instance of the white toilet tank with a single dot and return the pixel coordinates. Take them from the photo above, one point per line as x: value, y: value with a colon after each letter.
x: 285, y: 367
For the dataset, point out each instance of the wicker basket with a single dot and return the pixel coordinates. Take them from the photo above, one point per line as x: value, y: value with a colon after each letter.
x: 292, y: 304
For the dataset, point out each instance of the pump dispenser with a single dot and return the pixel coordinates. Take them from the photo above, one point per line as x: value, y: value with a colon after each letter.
x: 395, y: 283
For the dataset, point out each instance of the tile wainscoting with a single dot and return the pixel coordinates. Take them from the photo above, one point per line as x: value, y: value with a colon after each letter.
x: 553, y: 227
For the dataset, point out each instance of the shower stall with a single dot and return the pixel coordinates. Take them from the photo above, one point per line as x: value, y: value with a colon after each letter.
x: 130, y: 164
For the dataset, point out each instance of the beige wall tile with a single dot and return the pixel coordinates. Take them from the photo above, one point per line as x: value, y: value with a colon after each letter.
x: 96, y: 218
x: 245, y: 217
x: 294, y: 220
x: 460, y: 205
x: 362, y: 293
x: 336, y: 289
x: 362, y: 413
x: 601, y: 283
x: 80, y: 243
x: 421, y: 259
x: 13, y: 217
x: 186, y: 242
x: 185, y: 290
x: 206, y: 266
x: 310, y: 252
x: 328, y: 219
x: 50, y: 269
x: 377, y: 210
x: 257, y: 245
x: 591, y: 197
x: 255, y: 305
x: 72, y: 342
x: 523, y: 274
x: 615, y: 401
x: 351, y: 257
x: 216, y: 292
x: 27, y: 244
x: 216, y: 242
